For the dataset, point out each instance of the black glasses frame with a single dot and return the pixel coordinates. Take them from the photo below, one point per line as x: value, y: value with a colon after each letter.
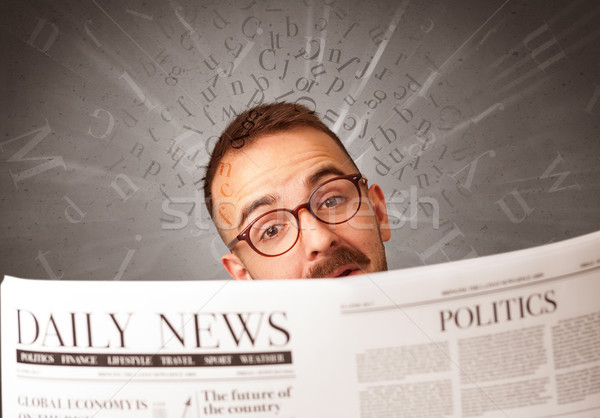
x: 245, y: 234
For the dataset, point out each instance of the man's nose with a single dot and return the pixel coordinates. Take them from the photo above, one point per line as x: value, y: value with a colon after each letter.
x: 316, y: 237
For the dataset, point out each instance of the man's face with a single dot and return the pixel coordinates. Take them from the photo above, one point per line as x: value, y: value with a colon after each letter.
x: 280, y: 171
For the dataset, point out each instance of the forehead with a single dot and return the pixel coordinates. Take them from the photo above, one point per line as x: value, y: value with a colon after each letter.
x: 276, y: 164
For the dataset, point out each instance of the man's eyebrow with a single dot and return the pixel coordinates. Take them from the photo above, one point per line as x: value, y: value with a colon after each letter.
x: 270, y: 199
x: 266, y: 200
x: 312, y: 180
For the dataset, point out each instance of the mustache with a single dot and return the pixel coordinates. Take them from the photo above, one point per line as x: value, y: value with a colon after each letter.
x: 339, y: 257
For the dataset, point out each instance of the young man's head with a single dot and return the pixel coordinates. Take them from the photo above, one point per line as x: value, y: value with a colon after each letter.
x: 288, y: 200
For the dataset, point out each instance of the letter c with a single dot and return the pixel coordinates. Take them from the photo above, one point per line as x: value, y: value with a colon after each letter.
x: 255, y: 31
x: 261, y: 61
x: 223, y: 193
x: 536, y: 295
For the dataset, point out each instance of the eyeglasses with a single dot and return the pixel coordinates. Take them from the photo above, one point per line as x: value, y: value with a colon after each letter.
x: 275, y: 232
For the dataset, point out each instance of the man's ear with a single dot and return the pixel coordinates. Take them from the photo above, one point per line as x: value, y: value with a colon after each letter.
x: 378, y: 200
x: 235, y: 267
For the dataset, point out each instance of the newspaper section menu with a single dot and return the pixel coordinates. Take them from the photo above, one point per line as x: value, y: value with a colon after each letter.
x: 516, y: 334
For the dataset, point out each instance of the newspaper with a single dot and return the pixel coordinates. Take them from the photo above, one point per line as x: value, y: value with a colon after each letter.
x: 512, y: 335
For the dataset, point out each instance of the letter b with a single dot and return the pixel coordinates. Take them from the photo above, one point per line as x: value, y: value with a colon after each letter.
x: 388, y: 133
x: 381, y: 164
x: 259, y: 82
x: 292, y: 26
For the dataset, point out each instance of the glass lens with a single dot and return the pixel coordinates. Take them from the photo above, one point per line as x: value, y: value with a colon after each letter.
x: 336, y: 201
x: 274, y: 233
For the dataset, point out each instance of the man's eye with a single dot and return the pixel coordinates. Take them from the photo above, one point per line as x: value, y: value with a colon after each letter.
x: 272, y: 231
x: 332, y: 202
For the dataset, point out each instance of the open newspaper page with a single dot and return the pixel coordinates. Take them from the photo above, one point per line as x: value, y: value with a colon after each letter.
x: 513, y: 335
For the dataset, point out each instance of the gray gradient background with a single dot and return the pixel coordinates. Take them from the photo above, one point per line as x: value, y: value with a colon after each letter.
x: 504, y: 177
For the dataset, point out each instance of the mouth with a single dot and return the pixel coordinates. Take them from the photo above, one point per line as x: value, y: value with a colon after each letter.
x: 346, y: 270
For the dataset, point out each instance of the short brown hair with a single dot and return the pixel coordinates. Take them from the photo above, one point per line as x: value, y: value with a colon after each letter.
x: 259, y: 121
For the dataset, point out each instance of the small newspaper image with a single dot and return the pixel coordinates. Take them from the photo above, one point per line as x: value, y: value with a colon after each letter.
x: 509, y: 335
